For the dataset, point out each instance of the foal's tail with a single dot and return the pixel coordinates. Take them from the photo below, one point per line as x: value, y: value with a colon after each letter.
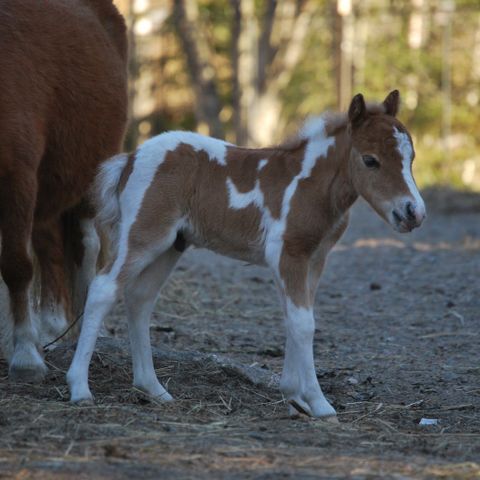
x: 106, y: 196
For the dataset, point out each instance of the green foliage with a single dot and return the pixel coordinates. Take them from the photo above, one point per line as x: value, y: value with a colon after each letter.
x: 384, y: 58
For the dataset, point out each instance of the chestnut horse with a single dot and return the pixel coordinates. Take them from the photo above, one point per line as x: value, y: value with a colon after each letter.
x: 283, y: 207
x: 63, y: 109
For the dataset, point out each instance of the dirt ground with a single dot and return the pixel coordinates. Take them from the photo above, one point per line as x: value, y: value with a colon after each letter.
x: 397, y: 341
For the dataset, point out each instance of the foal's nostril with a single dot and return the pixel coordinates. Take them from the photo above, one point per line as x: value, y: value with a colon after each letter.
x: 410, y: 211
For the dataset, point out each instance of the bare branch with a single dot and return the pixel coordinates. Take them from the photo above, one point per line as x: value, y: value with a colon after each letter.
x: 291, y: 31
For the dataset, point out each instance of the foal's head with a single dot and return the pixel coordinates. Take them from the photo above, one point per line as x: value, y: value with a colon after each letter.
x: 381, y: 162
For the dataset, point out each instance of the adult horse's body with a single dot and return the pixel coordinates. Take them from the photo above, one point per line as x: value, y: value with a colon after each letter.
x: 63, y: 107
x: 283, y: 207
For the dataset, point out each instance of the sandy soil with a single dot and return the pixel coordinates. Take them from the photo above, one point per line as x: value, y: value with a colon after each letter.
x: 397, y: 341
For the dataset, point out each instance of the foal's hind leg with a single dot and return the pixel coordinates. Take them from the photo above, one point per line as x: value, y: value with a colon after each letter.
x: 17, y: 203
x: 101, y: 297
x: 140, y: 294
x: 48, y: 244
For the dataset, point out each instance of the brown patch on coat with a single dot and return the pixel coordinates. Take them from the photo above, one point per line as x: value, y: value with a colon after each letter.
x: 283, y: 165
x: 126, y: 172
x: 318, y: 204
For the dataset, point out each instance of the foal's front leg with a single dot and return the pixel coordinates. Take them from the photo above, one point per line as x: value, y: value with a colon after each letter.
x: 299, y: 382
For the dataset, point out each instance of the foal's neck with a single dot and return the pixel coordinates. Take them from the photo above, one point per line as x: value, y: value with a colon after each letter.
x: 331, y: 172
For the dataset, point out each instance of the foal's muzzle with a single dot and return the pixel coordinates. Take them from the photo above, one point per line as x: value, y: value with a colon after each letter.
x: 407, y: 216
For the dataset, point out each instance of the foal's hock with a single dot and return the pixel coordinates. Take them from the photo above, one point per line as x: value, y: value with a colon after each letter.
x: 283, y: 207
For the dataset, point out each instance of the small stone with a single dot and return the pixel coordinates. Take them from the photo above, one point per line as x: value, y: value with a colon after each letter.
x: 428, y: 421
x: 352, y: 381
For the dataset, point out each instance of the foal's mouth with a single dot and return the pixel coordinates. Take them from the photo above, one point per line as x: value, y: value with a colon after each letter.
x: 403, y: 224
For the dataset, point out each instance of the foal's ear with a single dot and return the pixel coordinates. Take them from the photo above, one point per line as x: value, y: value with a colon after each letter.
x: 392, y: 103
x: 357, y: 110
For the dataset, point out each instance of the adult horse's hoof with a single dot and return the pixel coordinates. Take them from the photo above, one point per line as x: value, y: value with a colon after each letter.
x: 27, y: 374
x: 27, y: 365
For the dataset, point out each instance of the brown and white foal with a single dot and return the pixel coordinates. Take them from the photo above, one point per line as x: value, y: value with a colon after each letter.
x: 283, y: 207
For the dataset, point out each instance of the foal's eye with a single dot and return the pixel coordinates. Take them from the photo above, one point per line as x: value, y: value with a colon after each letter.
x: 370, y: 161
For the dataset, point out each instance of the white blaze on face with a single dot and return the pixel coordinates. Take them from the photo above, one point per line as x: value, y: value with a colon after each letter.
x: 404, y: 146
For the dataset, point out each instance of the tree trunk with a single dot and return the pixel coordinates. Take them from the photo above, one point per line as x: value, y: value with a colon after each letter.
x: 244, y: 66
x: 207, y: 104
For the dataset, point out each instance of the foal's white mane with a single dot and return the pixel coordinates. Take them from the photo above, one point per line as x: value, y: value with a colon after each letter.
x: 321, y: 126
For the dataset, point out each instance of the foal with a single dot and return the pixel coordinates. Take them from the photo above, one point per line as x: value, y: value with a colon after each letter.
x: 284, y: 207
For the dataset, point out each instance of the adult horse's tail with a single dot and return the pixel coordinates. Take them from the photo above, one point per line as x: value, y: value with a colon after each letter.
x: 105, y: 192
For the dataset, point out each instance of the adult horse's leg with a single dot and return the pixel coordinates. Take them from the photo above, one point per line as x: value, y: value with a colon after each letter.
x: 82, y: 250
x: 18, y: 192
x: 86, y: 269
x: 47, y: 239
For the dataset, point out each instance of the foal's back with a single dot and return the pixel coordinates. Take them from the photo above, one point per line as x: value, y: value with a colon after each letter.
x: 217, y: 195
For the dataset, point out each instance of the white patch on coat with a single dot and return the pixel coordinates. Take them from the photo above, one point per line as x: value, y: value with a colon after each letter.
x: 317, y: 146
x: 105, y: 189
x: 216, y: 149
x: 404, y: 146
x: 314, y: 127
x: 148, y: 158
x: 274, y: 228
x: 261, y: 164
x: 237, y: 200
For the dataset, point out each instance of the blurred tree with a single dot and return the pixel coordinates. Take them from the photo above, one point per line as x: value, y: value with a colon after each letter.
x: 266, y: 48
x: 250, y: 70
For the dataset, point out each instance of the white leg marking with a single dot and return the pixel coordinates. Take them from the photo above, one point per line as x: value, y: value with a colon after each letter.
x: 6, y: 321
x: 299, y: 381
x: 101, y: 296
x: 140, y: 297
x: 26, y: 363
x: 53, y: 321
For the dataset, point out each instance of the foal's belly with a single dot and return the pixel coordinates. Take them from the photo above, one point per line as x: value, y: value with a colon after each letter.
x: 232, y: 246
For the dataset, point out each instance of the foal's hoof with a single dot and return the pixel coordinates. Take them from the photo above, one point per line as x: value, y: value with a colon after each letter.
x: 156, y: 393
x: 83, y: 402
x: 330, y: 419
x: 27, y: 374
x: 323, y: 411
